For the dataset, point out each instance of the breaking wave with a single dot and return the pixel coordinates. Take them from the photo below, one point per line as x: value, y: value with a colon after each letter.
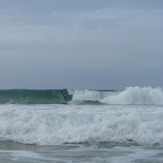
x: 131, y: 95
x: 57, y: 124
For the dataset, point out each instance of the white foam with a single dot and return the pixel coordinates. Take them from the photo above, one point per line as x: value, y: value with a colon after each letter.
x: 137, y: 95
x: 70, y: 124
x: 88, y: 95
x: 131, y: 95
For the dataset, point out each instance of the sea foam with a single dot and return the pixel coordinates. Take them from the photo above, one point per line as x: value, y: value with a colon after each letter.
x: 131, y: 95
x: 58, y: 124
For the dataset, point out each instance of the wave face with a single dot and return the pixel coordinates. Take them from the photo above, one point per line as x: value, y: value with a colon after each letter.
x: 22, y: 96
x: 60, y: 124
x: 131, y: 95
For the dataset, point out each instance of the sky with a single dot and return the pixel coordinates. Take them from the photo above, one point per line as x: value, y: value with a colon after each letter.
x: 81, y: 44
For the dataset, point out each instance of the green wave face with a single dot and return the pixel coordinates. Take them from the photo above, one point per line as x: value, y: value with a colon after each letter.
x: 32, y: 96
x: 53, y: 96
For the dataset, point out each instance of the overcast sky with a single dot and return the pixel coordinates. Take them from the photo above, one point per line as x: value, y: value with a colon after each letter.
x: 90, y: 44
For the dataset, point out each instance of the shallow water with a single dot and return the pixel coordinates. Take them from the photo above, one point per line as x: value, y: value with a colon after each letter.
x: 91, y: 153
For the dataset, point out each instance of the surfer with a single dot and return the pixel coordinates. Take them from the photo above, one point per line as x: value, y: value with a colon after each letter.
x: 63, y: 96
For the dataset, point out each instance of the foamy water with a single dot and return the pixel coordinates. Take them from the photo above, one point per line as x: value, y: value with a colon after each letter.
x: 59, y: 124
x: 131, y: 95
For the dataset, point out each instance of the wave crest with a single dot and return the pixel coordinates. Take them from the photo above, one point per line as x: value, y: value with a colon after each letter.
x: 137, y: 95
x: 131, y: 95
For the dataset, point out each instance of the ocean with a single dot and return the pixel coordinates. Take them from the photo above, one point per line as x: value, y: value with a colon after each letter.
x: 94, y: 126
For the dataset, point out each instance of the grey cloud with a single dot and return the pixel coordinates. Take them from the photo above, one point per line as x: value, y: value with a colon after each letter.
x: 84, y: 40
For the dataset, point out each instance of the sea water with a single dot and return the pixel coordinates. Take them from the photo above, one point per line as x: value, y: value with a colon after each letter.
x: 94, y: 126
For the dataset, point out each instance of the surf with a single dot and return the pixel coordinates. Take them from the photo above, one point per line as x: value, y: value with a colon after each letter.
x: 48, y: 125
x: 128, y: 96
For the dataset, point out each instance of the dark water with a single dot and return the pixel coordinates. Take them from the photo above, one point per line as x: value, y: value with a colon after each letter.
x: 22, y: 96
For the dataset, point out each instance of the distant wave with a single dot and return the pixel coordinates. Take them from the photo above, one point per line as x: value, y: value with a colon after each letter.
x: 131, y: 95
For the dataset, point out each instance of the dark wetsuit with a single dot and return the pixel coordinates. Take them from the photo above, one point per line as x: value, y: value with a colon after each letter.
x: 63, y: 96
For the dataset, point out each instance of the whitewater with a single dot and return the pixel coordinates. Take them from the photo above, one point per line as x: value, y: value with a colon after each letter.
x: 94, y: 126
